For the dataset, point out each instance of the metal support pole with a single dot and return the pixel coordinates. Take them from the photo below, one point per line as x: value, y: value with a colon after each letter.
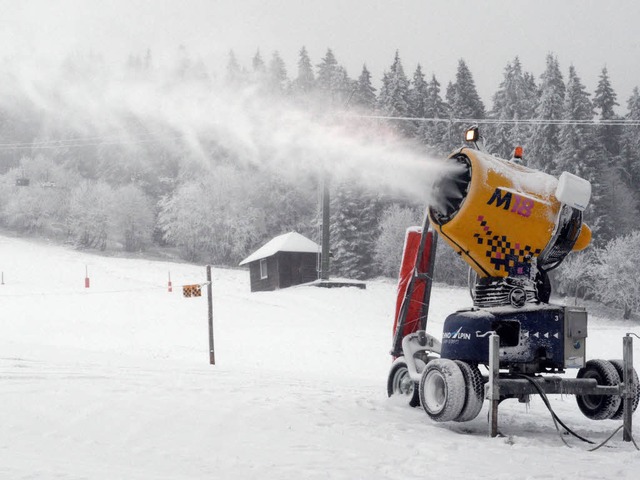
x: 493, y: 388
x: 629, y: 386
x: 212, y: 355
x: 326, y: 215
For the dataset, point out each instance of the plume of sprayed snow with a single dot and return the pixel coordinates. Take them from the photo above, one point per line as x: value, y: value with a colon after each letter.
x: 253, y: 129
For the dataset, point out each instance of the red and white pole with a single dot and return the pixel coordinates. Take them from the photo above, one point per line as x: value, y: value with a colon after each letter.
x: 169, y: 289
x: 87, y: 282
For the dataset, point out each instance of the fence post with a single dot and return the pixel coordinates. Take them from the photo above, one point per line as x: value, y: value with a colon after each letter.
x: 212, y: 355
x: 493, y: 388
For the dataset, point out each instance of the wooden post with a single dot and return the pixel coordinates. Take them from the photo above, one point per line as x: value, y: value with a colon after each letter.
x: 212, y: 355
x: 493, y: 392
x: 629, y: 387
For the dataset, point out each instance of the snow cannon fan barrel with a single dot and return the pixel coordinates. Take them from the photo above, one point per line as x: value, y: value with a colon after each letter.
x: 502, y: 217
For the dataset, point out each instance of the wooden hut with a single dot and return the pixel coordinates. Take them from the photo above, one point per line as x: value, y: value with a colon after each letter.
x: 286, y: 260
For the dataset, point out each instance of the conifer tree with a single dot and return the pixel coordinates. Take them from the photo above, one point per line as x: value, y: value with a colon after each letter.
x: 304, y: 83
x: 235, y: 75
x: 418, y: 91
x: 464, y: 102
x: 580, y: 154
x: 433, y: 133
x: 277, y: 75
x: 327, y: 69
x: 576, y: 145
x: 259, y: 68
x: 354, y: 231
x: 513, y: 101
x: 394, y: 95
x: 334, y: 85
x: 364, y: 95
x: 604, y: 101
x: 545, y: 138
x: 630, y: 158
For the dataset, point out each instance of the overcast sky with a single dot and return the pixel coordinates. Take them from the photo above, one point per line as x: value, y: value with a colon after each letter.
x: 435, y: 33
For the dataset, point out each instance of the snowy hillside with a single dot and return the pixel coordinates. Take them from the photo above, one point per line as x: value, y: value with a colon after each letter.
x: 113, y: 382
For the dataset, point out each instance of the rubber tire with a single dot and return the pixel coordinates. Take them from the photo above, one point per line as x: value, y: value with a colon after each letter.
x: 397, y: 382
x: 599, y: 407
x: 619, y: 366
x: 474, y: 391
x: 442, y: 390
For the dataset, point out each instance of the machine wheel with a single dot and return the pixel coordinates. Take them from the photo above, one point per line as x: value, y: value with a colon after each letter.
x: 474, y: 391
x: 599, y: 407
x: 442, y: 390
x: 400, y: 383
x: 619, y: 366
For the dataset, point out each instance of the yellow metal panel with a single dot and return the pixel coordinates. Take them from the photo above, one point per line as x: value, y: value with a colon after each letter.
x: 507, y: 218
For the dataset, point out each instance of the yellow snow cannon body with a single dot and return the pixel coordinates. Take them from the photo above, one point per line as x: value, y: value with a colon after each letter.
x: 502, y: 217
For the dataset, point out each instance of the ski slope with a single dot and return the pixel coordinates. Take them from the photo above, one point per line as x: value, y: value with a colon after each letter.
x: 114, y: 382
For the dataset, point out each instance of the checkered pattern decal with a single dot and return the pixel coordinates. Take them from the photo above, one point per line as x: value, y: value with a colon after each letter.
x: 514, y: 259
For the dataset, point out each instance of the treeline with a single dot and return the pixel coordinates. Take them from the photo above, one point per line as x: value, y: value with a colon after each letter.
x: 106, y: 171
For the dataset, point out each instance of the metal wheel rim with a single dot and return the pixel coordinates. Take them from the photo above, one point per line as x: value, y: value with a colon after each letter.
x: 402, y: 383
x: 435, y: 392
x: 592, y: 401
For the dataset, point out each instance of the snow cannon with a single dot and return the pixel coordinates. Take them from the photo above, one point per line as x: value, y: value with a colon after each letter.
x: 501, y: 216
x: 511, y: 225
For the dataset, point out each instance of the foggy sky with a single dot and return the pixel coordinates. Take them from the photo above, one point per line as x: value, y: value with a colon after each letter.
x: 435, y: 33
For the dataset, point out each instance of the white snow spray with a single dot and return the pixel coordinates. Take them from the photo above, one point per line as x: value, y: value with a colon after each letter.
x: 250, y: 128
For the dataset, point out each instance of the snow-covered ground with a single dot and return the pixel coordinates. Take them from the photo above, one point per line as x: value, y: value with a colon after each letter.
x: 114, y: 382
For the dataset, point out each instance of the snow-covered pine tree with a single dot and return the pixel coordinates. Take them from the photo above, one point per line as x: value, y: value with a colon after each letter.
x: 334, y: 85
x: 604, y: 101
x: 327, y: 69
x: 514, y: 100
x: 581, y: 154
x: 545, y: 138
x: 304, y: 83
x: 435, y: 134
x: 464, y: 102
x: 277, y: 81
x: 259, y: 69
x: 364, y: 96
x: 354, y: 230
x: 418, y: 91
x: 576, y: 141
x: 235, y: 75
x: 393, y: 100
x: 630, y: 158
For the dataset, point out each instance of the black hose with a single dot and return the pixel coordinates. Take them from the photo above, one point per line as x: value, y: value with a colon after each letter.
x: 555, y: 417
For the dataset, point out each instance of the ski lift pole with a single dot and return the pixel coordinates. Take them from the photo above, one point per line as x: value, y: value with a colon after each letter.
x: 212, y: 355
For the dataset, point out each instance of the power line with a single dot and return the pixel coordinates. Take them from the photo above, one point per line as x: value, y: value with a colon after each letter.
x: 485, y: 121
x: 105, y: 140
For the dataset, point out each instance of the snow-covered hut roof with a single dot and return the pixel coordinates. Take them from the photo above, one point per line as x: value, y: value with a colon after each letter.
x: 289, y: 242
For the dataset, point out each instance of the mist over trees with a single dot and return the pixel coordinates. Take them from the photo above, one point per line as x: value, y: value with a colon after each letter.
x: 142, y: 157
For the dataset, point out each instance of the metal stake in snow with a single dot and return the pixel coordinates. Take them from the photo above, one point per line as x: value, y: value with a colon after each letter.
x: 212, y: 355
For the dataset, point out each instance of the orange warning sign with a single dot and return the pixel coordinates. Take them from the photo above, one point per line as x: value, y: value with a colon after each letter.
x: 192, y: 290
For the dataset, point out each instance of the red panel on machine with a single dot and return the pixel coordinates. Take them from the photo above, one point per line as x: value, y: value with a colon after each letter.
x: 409, y: 260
